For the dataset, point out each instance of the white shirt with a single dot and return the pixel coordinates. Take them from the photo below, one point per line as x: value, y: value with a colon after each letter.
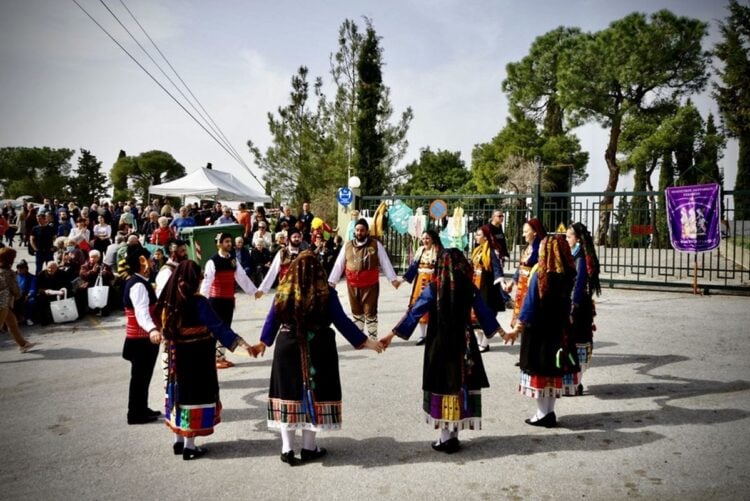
x: 338, y: 267
x: 103, y: 231
x: 273, y: 271
x: 163, y: 277
x: 139, y: 298
x: 266, y: 238
x: 239, y: 276
x: 79, y: 235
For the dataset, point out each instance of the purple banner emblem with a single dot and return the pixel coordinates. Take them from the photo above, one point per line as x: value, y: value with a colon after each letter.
x: 693, y: 217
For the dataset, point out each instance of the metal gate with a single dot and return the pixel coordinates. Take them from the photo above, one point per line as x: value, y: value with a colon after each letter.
x: 636, y: 247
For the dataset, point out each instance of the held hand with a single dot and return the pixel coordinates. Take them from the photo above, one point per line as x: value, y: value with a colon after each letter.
x: 371, y: 344
x: 385, y: 341
x: 510, y: 336
x: 155, y: 336
x: 258, y: 349
x: 258, y: 294
x: 396, y: 283
x: 508, y: 286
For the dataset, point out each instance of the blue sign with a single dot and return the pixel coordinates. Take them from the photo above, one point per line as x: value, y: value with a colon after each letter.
x: 344, y: 196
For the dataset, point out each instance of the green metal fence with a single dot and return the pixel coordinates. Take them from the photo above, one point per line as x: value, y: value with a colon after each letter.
x: 631, y: 232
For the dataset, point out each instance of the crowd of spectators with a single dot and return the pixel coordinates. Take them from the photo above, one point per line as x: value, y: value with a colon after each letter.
x: 74, y: 245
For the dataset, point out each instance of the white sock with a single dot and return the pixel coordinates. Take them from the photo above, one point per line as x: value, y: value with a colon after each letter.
x: 445, y: 435
x: 422, y: 330
x: 190, y: 442
x: 287, y: 440
x: 541, y: 407
x: 551, y: 404
x: 308, y: 440
x: 481, y: 338
x: 178, y: 439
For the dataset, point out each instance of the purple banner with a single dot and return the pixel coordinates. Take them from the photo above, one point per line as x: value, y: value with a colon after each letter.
x: 693, y: 216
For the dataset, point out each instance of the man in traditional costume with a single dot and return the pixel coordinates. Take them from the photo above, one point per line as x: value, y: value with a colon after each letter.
x: 219, y: 276
x: 362, y: 259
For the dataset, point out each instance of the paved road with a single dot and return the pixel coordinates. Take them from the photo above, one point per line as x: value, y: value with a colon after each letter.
x: 665, y: 415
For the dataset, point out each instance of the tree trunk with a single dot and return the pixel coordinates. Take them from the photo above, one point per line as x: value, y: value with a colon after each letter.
x: 610, y: 156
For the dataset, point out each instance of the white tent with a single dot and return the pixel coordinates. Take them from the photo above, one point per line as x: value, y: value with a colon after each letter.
x: 208, y: 183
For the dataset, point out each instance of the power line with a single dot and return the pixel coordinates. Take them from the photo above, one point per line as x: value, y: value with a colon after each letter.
x: 163, y: 88
x: 217, y: 128
x: 157, y: 65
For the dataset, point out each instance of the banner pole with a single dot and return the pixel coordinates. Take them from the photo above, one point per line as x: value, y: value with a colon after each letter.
x: 695, y: 273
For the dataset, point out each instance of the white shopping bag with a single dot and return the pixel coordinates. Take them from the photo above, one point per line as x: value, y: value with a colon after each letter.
x: 64, y: 310
x: 98, y: 294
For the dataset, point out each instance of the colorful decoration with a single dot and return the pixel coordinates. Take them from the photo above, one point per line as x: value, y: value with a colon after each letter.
x: 398, y: 215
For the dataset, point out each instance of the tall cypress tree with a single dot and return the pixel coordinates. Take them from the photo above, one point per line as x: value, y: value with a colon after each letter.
x: 734, y: 96
x: 369, y: 141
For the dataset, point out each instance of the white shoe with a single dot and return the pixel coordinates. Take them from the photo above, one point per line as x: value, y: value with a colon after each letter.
x: 29, y: 322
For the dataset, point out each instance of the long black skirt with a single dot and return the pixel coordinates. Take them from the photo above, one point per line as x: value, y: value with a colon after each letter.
x: 192, y: 400
x: 305, y: 389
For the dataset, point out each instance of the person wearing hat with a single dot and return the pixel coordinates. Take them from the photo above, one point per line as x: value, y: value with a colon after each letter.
x: 142, y: 337
x: 282, y: 261
x: 42, y: 240
x: 362, y: 259
x: 219, y: 277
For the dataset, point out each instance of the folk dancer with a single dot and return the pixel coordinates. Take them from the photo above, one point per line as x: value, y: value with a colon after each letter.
x: 548, y: 358
x: 453, y: 373
x: 281, y: 261
x: 142, y: 337
x: 305, y: 388
x: 582, y: 310
x: 362, y: 259
x: 423, y: 269
x: 533, y: 233
x: 219, y: 276
x: 487, y: 277
x: 190, y: 328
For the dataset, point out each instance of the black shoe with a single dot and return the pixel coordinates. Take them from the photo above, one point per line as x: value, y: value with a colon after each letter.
x: 421, y: 341
x: 151, y: 412
x: 548, y: 421
x: 188, y: 454
x: 142, y: 419
x: 307, y: 455
x: 517, y: 364
x: 449, y: 446
x: 178, y: 447
x: 484, y: 349
x: 579, y: 390
x: 288, y: 458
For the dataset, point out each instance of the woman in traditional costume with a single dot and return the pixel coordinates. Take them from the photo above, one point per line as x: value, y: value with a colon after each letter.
x: 533, y: 233
x: 423, y: 269
x: 548, y: 361
x: 305, y: 389
x: 488, y: 277
x: 453, y: 374
x: 582, y: 310
x: 190, y: 329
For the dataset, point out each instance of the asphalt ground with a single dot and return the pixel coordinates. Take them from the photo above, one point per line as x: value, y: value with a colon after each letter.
x: 664, y: 415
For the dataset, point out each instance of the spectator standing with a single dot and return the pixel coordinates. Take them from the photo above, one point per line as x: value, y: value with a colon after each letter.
x: 245, y: 219
x: 306, y: 217
x: 226, y: 217
x: 183, y: 221
x: 41, y: 241
x: 285, y: 217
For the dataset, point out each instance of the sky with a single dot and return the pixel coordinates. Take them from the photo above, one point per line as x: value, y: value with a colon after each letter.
x: 64, y: 83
